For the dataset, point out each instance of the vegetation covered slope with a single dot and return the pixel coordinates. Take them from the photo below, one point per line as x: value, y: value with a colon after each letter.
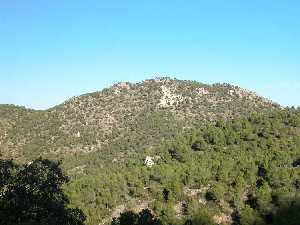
x: 125, y: 117
x: 213, y: 148
x: 243, y: 171
x: 10, y: 117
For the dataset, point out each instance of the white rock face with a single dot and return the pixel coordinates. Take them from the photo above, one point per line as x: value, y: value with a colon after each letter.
x: 201, y: 91
x: 168, y: 98
x: 202, y: 201
x: 149, y: 161
x: 231, y: 92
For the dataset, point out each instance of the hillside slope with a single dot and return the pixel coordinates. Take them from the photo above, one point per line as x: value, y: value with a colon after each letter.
x: 245, y: 171
x: 176, y: 147
x: 124, y: 117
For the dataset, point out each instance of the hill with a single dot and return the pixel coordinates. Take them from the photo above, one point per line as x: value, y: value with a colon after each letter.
x: 124, y: 117
x: 176, y: 147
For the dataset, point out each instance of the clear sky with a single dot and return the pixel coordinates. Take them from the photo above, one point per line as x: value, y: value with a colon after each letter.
x: 54, y: 49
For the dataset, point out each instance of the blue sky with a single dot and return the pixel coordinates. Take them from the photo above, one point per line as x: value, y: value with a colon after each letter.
x: 54, y: 49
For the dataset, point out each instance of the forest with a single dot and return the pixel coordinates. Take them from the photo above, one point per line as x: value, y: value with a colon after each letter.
x: 243, y: 171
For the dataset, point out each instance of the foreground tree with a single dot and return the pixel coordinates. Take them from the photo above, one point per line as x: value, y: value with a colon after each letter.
x: 32, y: 195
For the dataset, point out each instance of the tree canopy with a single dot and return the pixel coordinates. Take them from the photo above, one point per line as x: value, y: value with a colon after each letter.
x: 32, y: 194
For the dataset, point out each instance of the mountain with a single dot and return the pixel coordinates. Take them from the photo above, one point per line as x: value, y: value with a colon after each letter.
x: 179, y: 148
x: 125, y: 117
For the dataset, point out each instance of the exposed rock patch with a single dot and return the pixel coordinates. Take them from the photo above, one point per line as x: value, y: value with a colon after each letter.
x: 168, y: 98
